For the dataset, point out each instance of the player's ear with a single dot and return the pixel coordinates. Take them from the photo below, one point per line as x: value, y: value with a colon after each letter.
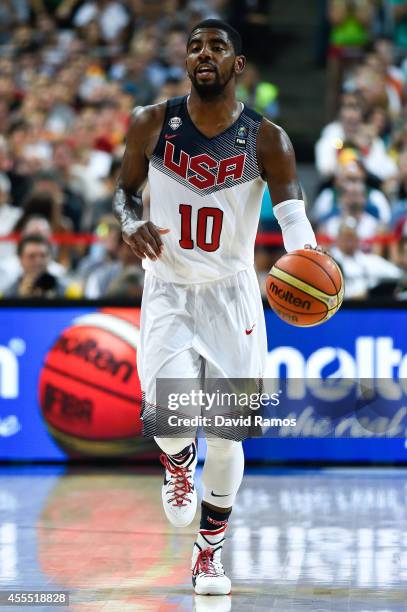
x: 240, y: 63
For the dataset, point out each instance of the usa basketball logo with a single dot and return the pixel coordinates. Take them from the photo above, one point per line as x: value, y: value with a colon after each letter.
x: 175, y: 123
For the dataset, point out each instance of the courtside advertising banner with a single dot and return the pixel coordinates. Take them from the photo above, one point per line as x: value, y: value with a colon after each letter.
x: 69, y: 388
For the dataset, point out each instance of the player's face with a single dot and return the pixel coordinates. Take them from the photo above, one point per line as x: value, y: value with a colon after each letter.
x: 211, y: 62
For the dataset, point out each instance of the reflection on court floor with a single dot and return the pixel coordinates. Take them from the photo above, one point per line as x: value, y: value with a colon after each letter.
x: 299, y: 540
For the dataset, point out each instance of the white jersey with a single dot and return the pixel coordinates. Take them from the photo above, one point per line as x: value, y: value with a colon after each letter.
x: 208, y: 192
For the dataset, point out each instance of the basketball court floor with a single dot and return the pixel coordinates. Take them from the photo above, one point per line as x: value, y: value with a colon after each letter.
x: 331, y: 539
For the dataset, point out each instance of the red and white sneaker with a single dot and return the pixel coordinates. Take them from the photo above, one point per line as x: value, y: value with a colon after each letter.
x: 208, y: 575
x: 178, y: 491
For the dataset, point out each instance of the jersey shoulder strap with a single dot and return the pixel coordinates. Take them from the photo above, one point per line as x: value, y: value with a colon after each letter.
x: 173, y: 119
x: 177, y: 102
x: 252, y: 114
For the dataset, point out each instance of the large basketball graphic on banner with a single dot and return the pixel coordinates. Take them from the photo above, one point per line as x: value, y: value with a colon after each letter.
x: 89, y: 389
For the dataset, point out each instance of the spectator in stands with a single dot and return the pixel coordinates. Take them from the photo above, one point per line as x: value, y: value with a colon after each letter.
x: 352, y: 203
x: 101, y: 254
x: 373, y: 153
x: 10, y: 266
x: 117, y: 275
x: 379, y: 118
x: 375, y: 87
x: 5, y: 162
x: 333, y: 136
x: 144, y: 44
x: 399, y: 208
x: 103, y: 205
x: 68, y: 205
x: 48, y: 204
x: 174, y: 54
x: 401, y: 261
x: 384, y: 47
x: 110, y: 16
x: 81, y: 189
x: 171, y: 89
x: 129, y: 278
x: 362, y: 271
x: 400, y: 24
x: 350, y: 170
x: 9, y: 215
x: 34, y: 252
x: 402, y: 255
x: 351, y: 131
x: 138, y: 79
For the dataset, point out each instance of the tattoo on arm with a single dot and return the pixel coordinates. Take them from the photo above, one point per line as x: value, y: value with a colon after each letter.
x: 128, y: 209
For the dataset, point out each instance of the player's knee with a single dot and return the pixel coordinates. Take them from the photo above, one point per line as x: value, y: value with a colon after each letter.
x: 223, y: 447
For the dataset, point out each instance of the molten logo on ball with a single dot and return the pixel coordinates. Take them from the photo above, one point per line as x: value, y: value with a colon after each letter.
x: 91, y: 352
x: 288, y: 297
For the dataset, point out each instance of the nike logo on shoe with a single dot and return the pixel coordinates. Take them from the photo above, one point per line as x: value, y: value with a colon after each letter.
x: 215, y: 495
x: 250, y: 329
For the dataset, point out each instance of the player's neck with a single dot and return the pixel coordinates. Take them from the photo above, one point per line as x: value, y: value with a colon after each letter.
x: 214, y: 112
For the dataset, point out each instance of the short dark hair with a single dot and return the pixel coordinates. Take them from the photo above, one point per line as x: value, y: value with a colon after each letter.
x: 218, y: 24
x: 32, y: 239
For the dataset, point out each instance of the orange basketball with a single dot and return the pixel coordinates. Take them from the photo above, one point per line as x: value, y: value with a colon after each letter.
x: 89, y: 389
x: 305, y: 287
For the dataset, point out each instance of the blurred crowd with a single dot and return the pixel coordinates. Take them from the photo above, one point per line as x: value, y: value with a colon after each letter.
x: 359, y: 209
x: 72, y: 71
x: 361, y: 154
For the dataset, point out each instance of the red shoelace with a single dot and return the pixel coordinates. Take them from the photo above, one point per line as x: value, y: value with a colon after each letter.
x: 181, y: 482
x: 205, y: 563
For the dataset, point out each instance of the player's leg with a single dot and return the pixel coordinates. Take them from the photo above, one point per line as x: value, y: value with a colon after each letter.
x: 221, y: 477
x: 234, y: 346
x: 165, y: 352
x: 179, y: 455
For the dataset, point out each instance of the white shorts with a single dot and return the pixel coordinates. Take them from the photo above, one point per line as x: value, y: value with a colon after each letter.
x: 210, y: 330
x: 201, y: 331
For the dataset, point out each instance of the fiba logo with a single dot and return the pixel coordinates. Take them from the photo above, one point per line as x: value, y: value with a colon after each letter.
x: 9, y: 368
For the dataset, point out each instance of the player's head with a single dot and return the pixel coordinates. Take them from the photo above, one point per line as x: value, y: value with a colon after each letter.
x: 214, y: 57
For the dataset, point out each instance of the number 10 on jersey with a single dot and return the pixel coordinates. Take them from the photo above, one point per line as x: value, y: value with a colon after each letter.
x: 206, y: 216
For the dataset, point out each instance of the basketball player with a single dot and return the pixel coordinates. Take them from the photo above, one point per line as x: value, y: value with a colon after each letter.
x: 207, y: 158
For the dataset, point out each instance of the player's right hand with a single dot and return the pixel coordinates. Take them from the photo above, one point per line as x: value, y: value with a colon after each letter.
x: 146, y: 241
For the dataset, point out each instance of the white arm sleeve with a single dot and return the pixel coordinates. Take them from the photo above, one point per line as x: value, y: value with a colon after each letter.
x: 295, y: 226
